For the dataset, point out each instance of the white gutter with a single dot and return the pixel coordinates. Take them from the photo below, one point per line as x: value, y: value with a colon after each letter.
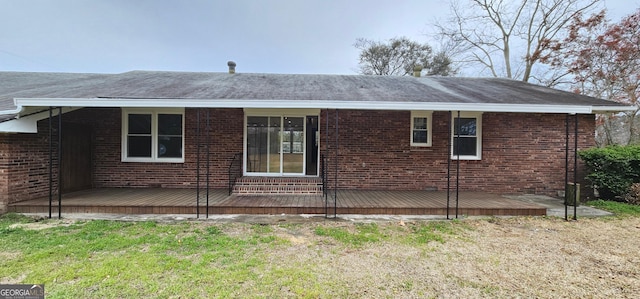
x: 320, y: 104
x: 19, y: 109
x: 607, y: 109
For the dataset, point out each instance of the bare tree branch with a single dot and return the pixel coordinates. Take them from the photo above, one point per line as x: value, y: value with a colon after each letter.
x: 491, y: 32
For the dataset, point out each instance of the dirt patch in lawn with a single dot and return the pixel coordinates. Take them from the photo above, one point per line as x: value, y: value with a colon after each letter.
x: 43, y: 225
x: 505, y: 258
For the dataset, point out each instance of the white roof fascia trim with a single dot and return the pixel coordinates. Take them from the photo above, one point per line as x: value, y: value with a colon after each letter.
x: 321, y: 104
x: 605, y: 109
x: 29, y: 123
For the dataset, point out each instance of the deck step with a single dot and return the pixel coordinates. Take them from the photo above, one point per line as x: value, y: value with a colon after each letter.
x: 278, y: 186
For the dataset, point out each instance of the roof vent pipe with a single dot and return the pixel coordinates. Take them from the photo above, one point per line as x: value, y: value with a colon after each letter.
x: 417, y: 70
x: 232, y: 67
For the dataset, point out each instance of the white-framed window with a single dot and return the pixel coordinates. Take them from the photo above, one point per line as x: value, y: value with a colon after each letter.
x: 421, y: 128
x: 153, y: 135
x: 466, y: 136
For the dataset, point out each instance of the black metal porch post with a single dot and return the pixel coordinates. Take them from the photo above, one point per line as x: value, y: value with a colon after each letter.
x: 335, y: 190
x: 50, y: 159
x: 325, y: 172
x: 324, y: 165
x: 566, y: 166
x: 208, y: 134
x: 59, y: 162
x: 575, y: 170
x: 198, y: 163
x: 457, y: 144
x: 449, y: 162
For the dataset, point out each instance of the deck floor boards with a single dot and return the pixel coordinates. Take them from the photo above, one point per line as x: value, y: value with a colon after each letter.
x: 183, y: 201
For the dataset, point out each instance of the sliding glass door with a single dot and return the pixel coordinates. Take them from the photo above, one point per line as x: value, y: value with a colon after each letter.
x: 275, y: 145
x: 263, y: 137
x: 293, y: 145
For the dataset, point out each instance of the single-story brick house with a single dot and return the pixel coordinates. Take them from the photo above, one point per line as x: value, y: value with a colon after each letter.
x: 151, y: 129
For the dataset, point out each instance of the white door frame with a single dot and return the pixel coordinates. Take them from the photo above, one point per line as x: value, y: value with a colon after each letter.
x: 282, y: 113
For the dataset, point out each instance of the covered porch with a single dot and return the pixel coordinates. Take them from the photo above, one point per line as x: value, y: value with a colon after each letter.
x: 183, y: 201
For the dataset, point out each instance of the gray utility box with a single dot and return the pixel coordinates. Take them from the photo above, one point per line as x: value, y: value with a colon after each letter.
x: 572, y: 194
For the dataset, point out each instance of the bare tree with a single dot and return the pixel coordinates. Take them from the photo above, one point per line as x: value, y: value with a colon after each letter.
x: 398, y: 57
x: 506, y: 37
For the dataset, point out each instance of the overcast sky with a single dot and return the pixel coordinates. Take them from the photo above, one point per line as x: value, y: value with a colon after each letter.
x: 269, y: 36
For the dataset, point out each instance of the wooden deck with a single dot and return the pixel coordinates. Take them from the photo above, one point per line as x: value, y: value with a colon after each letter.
x: 183, y: 201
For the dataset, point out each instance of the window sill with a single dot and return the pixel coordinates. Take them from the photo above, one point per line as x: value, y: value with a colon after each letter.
x: 466, y: 158
x: 151, y: 160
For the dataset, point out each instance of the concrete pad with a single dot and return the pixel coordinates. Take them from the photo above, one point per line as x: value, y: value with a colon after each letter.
x: 556, y: 208
x: 244, y: 218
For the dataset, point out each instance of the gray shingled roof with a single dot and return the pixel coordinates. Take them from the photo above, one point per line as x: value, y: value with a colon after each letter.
x: 282, y: 87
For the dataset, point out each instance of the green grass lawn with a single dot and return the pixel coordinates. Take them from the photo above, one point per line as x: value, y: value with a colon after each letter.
x: 112, y: 259
x: 618, y: 208
x: 490, y: 257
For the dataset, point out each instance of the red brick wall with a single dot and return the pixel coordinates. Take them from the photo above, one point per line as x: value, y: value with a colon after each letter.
x: 24, y: 158
x: 225, y: 140
x: 25, y: 165
x: 4, y: 172
x: 522, y: 153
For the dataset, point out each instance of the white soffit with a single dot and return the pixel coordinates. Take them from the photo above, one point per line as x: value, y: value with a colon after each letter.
x: 284, y: 104
x: 29, y: 123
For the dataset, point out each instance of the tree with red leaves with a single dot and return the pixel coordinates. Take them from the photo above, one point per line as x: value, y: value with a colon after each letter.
x: 602, y: 59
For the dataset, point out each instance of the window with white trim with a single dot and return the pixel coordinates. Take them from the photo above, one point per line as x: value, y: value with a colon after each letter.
x: 153, y: 135
x: 421, y: 128
x: 466, y: 136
